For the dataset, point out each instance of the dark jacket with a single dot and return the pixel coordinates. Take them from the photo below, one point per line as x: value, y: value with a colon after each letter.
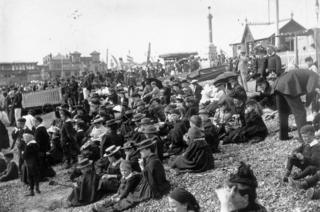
x: 42, y: 138
x: 311, y: 154
x: 274, y: 64
x: 10, y: 173
x: 86, y: 191
x: 197, y: 157
x: 17, y: 100
x: 175, y: 137
x: 4, y: 142
x: 152, y: 185
x: 298, y: 82
x: 254, y: 128
x: 68, y: 137
x: 128, y: 185
x: 262, y: 65
x: 211, y: 135
x: 31, y: 159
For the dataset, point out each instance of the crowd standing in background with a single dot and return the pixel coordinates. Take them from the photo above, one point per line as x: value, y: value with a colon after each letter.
x: 115, y: 131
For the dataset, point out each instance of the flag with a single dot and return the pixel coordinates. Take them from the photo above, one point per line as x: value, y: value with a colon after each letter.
x: 129, y: 59
x: 115, y: 61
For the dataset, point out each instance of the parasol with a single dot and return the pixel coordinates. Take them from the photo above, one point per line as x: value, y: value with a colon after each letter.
x: 223, y: 78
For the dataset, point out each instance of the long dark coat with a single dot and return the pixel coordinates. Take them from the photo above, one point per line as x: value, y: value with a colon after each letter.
x: 298, y: 82
x: 31, y: 166
x: 4, y: 141
x: 86, y: 192
x: 211, y: 135
x: 152, y: 185
x: 42, y: 138
x: 274, y: 64
x: 197, y: 157
x: 254, y: 128
x: 175, y: 137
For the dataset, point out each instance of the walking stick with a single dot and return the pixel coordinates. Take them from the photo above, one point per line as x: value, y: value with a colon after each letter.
x: 53, y: 183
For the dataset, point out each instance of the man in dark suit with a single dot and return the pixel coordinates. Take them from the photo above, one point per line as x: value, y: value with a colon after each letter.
x: 11, y: 172
x: 274, y: 62
x: 43, y: 139
x: 288, y: 89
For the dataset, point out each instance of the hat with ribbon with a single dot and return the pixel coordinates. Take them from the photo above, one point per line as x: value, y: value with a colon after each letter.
x: 111, y: 150
x: 147, y: 143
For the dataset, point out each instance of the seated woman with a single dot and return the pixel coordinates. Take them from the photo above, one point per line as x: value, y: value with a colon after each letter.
x: 55, y: 154
x: 11, y: 172
x: 181, y: 200
x: 132, y: 155
x: 128, y: 183
x: 110, y: 179
x: 85, y: 190
x: 240, y: 192
x: 153, y: 184
x: 197, y: 157
x: 175, y: 142
x: 254, y: 129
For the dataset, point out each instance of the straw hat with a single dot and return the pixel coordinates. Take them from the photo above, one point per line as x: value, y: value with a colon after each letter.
x: 149, y: 129
x: 84, y: 163
x: 146, y: 143
x: 111, y: 150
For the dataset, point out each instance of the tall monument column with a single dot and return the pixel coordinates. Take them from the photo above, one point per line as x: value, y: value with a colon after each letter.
x: 212, y: 47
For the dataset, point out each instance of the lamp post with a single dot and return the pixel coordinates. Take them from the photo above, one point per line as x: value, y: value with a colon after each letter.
x: 212, y: 48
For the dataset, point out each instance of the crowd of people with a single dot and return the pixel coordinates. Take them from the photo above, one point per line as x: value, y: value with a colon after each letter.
x: 117, y: 142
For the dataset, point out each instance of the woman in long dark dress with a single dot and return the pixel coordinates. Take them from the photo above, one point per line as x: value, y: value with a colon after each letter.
x: 110, y: 179
x: 153, y: 184
x: 198, y: 155
x: 254, y: 129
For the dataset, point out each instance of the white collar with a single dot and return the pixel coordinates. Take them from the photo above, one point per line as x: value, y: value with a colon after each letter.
x: 117, y: 162
x: 128, y: 177
x: 31, y: 142
x: 40, y: 125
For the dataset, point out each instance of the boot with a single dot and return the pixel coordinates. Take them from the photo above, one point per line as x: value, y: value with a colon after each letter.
x: 30, y: 194
x: 38, y: 190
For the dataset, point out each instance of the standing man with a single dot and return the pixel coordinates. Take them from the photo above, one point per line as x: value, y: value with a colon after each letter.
x: 288, y: 89
x: 243, y: 68
x: 42, y: 138
x: 17, y: 103
x: 274, y: 62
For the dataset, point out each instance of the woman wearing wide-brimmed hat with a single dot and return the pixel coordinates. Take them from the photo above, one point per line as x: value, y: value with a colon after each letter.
x: 153, y: 184
x: 132, y: 154
x: 198, y: 155
x: 151, y: 131
x: 110, y: 179
x: 84, y: 191
x: 111, y: 137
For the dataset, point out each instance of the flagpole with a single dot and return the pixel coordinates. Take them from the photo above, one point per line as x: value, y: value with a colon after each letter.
x: 107, y: 59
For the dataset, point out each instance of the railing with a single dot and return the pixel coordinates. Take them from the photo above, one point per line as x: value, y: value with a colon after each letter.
x: 289, y: 57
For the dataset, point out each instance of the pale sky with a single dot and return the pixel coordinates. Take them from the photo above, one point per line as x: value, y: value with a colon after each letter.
x: 31, y: 29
